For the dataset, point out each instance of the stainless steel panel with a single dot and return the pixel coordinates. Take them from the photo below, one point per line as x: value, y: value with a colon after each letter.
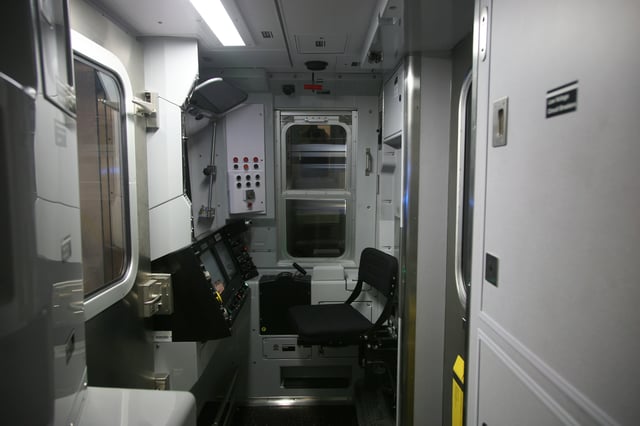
x: 27, y: 393
x: 408, y: 240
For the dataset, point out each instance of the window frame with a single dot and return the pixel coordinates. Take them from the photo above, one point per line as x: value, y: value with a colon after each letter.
x: 284, y: 121
x: 93, y: 53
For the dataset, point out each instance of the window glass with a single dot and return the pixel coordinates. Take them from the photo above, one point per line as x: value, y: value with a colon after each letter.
x: 316, y: 228
x: 315, y: 184
x: 316, y: 156
x: 102, y: 171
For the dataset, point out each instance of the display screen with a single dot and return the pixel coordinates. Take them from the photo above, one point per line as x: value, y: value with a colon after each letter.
x: 225, y: 259
x: 211, y: 266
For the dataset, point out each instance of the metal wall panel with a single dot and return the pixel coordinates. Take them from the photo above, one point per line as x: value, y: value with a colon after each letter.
x: 433, y: 166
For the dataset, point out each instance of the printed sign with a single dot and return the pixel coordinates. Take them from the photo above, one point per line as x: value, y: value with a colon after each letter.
x: 562, y: 100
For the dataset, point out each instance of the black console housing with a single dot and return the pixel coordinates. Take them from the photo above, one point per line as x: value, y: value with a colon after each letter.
x: 277, y: 294
x: 209, y: 288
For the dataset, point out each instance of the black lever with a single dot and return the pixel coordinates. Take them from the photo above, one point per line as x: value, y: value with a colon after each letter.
x: 299, y: 268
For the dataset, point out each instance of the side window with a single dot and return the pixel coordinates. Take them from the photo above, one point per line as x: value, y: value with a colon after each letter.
x: 315, y: 189
x: 103, y: 176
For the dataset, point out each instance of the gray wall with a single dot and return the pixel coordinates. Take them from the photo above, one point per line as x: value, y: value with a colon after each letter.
x: 432, y: 239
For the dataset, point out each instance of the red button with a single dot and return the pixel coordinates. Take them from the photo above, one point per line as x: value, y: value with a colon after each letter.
x: 235, y: 159
x: 246, y: 159
x: 246, y: 167
x: 255, y: 159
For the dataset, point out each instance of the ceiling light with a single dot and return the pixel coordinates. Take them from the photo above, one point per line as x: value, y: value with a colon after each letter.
x: 217, y: 18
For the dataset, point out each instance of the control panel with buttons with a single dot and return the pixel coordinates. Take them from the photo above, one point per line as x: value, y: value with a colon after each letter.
x: 245, y: 160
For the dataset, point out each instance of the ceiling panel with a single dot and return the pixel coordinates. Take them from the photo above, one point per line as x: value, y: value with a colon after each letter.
x: 349, y: 19
x: 154, y: 17
x: 255, y: 58
x: 343, y: 24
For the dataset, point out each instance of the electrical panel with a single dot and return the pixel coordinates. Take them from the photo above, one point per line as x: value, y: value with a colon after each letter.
x: 245, y: 160
x: 393, y: 114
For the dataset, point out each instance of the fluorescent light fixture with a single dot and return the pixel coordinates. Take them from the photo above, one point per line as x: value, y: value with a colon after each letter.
x: 217, y: 18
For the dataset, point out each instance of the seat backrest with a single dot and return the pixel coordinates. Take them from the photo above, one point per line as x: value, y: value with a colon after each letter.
x: 379, y: 270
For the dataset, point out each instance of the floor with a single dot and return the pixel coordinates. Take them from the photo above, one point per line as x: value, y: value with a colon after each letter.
x: 374, y: 399
x: 317, y: 415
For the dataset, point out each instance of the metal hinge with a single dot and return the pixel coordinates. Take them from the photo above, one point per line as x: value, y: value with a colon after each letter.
x: 484, y: 33
x: 161, y: 381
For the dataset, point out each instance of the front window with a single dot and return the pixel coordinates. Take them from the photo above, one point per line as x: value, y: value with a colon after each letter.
x: 316, y: 228
x: 102, y: 171
x: 315, y: 185
x: 316, y: 156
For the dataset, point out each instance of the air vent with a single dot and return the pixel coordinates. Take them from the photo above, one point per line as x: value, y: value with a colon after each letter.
x: 321, y: 43
x: 267, y: 34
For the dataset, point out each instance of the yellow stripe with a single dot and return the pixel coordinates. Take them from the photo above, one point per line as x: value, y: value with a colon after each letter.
x: 458, y: 368
x: 457, y: 393
x: 457, y: 404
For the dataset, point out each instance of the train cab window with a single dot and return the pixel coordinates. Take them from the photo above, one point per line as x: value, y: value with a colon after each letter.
x: 316, y: 156
x: 316, y: 196
x: 316, y: 228
x: 103, y: 176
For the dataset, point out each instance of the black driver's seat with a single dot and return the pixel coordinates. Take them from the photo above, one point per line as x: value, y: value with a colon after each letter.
x: 340, y: 324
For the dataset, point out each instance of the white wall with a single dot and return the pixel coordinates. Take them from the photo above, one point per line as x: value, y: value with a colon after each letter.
x: 365, y: 190
x: 171, y: 65
x: 93, y: 24
x: 263, y: 232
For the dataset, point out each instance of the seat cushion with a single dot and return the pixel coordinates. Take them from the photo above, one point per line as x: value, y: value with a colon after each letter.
x: 330, y: 324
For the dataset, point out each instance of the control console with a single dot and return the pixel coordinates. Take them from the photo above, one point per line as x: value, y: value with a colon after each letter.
x: 209, y: 285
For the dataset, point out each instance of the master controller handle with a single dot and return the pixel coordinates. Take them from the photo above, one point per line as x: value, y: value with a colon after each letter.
x: 299, y: 268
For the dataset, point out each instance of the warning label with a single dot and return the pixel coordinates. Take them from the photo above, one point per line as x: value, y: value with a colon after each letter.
x: 562, y: 100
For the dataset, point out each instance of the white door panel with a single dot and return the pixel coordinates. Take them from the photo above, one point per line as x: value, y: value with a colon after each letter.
x: 562, y: 198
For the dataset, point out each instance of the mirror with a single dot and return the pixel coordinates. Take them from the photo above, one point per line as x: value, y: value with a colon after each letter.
x: 213, y: 97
